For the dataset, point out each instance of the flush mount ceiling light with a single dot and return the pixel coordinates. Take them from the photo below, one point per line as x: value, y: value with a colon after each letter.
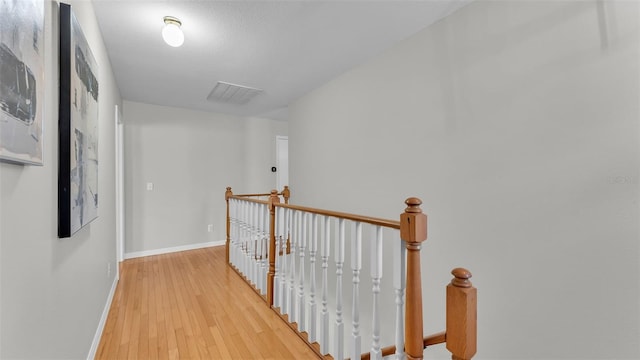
x: 171, y: 33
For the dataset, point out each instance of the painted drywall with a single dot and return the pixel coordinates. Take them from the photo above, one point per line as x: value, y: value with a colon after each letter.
x: 517, y: 125
x: 190, y: 157
x: 55, y: 290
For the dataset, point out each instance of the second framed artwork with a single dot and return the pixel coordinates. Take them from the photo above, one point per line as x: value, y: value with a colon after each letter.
x: 78, y: 128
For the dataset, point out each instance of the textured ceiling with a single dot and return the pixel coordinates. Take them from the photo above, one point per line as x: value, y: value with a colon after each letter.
x: 285, y: 48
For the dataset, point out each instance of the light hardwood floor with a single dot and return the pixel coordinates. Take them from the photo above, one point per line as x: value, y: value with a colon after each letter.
x: 191, y: 305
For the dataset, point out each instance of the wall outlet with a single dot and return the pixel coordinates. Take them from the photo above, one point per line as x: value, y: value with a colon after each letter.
x: 210, y: 228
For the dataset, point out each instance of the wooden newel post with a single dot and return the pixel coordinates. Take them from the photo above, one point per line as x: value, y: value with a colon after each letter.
x: 227, y: 195
x: 462, y: 300
x: 413, y: 230
x: 273, y: 199
x: 286, y: 194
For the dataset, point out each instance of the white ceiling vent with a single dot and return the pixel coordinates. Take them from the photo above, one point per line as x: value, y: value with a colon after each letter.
x: 232, y: 93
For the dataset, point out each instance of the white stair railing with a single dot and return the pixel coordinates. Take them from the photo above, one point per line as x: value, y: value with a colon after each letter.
x: 275, y: 246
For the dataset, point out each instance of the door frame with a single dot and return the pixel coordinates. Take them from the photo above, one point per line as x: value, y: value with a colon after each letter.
x: 280, y: 141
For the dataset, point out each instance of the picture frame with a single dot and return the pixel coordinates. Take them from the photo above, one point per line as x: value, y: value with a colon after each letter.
x: 77, y: 127
x: 22, y: 87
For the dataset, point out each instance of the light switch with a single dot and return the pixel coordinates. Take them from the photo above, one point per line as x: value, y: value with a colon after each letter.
x: 149, y: 186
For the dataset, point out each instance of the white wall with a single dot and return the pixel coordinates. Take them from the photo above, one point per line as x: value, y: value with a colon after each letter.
x: 190, y: 157
x: 54, y: 290
x: 517, y: 125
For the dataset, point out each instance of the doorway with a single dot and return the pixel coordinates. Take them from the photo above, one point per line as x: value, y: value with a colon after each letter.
x: 282, y: 162
x: 119, y: 139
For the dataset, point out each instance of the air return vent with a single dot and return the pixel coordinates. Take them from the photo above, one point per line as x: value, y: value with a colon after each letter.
x: 233, y: 94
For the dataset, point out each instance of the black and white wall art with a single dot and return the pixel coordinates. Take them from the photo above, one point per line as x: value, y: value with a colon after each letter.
x: 78, y: 128
x: 21, y: 80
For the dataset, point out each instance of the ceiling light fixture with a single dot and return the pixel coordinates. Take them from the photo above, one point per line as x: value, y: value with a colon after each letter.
x: 171, y: 33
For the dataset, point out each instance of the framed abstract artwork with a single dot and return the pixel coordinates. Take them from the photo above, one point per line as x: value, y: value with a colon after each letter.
x: 21, y: 81
x: 78, y: 128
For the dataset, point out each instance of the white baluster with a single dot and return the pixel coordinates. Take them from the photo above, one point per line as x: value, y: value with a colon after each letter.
x: 302, y: 325
x: 376, y: 275
x: 292, y: 266
x: 234, y: 234
x: 243, y: 234
x: 252, y: 244
x: 250, y: 240
x: 238, y: 236
x: 399, y: 282
x: 276, y: 279
x: 231, y: 229
x: 339, y: 352
x: 325, y: 249
x: 238, y: 240
x: 313, y: 247
x: 249, y: 245
x: 256, y: 248
x: 265, y: 247
x: 356, y: 265
x: 231, y: 224
x: 245, y: 241
x: 260, y: 244
x: 283, y: 274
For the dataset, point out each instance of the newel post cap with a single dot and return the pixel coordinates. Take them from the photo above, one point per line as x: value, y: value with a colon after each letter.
x: 413, y: 223
x: 228, y: 193
x: 273, y: 199
x: 461, y: 278
x: 286, y: 194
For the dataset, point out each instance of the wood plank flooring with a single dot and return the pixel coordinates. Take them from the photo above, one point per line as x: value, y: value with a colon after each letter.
x: 191, y: 305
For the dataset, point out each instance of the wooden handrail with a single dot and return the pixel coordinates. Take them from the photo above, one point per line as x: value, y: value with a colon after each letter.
x: 252, y: 195
x: 285, y: 193
x: 353, y: 217
x: 256, y: 201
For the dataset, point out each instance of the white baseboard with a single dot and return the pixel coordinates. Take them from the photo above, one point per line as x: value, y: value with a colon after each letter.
x: 103, y: 320
x: 138, y: 254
